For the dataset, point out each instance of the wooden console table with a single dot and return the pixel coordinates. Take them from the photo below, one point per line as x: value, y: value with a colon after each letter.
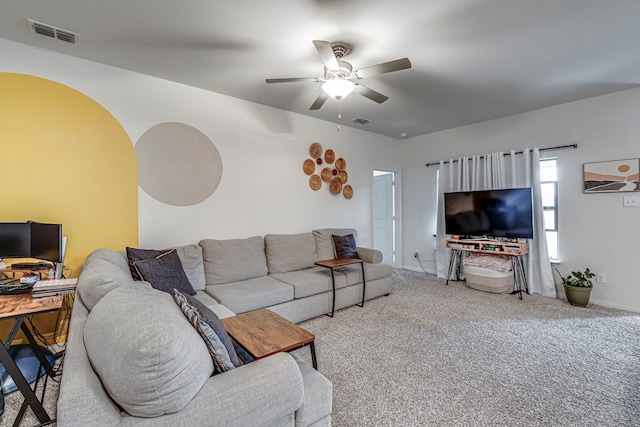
x: 342, y: 262
x: 263, y: 333
x: 515, y: 251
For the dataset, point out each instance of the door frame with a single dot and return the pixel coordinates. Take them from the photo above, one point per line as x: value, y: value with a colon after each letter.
x: 397, y: 186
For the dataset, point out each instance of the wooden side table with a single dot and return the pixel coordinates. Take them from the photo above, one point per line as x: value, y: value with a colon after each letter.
x: 342, y: 262
x: 18, y: 307
x: 263, y: 333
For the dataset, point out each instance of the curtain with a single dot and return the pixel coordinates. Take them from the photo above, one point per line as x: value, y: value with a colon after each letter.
x: 493, y: 171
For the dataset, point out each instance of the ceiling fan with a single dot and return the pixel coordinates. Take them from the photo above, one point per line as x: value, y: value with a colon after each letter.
x: 340, y: 79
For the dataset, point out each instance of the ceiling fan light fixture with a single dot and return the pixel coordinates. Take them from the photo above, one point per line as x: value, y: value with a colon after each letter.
x: 338, y: 88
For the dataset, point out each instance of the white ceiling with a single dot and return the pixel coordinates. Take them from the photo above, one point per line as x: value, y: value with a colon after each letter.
x: 473, y: 60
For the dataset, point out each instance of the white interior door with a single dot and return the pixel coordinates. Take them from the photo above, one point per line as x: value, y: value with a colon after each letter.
x: 383, y: 215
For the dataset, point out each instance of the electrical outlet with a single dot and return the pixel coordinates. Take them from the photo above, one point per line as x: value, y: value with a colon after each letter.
x: 601, y: 278
x: 631, y: 201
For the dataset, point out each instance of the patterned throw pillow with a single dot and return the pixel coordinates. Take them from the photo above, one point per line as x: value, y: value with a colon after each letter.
x: 345, y: 246
x: 165, y: 273
x: 220, y: 354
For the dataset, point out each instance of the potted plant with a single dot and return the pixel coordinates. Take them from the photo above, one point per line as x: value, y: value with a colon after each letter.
x: 578, y: 286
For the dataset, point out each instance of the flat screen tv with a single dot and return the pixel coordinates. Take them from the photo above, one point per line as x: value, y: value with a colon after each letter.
x: 46, y: 242
x: 15, y: 240
x: 490, y: 213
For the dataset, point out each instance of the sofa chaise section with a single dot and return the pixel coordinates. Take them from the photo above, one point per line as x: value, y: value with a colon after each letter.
x: 276, y: 391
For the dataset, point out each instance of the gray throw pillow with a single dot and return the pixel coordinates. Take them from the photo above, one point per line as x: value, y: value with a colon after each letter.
x: 217, y: 349
x: 165, y: 273
x: 212, y: 319
x: 345, y: 246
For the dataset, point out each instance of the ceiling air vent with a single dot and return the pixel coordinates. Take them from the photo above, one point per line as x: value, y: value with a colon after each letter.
x: 53, y: 32
x: 361, y: 120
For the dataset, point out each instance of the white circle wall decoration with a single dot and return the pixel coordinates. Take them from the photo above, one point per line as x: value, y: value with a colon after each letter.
x: 177, y: 164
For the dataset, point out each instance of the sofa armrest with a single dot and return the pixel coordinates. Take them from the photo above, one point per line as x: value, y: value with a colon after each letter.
x: 261, y: 393
x: 372, y: 256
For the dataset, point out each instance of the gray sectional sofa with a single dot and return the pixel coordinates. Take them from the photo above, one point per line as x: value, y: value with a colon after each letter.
x: 132, y: 358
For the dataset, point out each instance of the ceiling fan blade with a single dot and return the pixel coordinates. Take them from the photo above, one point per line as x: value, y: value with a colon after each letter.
x: 293, y: 79
x: 370, y: 93
x: 320, y: 100
x: 386, y: 67
x: 326, y: 53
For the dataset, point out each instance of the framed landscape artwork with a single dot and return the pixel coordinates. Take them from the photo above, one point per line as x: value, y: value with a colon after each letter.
x: 612, y: 177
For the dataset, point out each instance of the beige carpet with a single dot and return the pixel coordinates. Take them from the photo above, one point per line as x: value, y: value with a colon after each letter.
x: 436, y: 355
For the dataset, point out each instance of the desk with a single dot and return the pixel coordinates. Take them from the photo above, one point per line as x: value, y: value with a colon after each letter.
x: 263, y: 333
x: 18, y: 307
x: 515, y: 251
x: 342, y: 262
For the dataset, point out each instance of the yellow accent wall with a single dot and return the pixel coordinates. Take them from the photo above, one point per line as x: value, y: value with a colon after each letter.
x: 65, y: 159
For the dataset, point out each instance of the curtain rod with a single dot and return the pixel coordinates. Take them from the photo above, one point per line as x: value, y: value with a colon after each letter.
x: 559, y: 147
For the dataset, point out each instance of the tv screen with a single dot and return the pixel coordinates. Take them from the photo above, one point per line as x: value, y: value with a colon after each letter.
x: 46, y: 242
x: 15, y: 240
x: 490, y: 213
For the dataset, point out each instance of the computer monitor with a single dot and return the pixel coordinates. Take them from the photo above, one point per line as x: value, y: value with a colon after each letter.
x: 15, y: 240
x: 46, y: 242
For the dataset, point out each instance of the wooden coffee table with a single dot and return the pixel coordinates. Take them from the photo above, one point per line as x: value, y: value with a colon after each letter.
x: 263, y: 333
x: 342, y: 262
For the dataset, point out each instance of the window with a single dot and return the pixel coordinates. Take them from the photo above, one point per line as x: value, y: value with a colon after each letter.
x: 549, y: 184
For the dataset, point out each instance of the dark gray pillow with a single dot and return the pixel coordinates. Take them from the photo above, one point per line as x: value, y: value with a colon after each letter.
x: 135, y: 254
x: 345, y: 246
x: 165, y: 273
x: 212, y: 319
x: 219, y: 350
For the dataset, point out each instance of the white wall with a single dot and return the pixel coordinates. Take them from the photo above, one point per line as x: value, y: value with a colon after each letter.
x: 595, y: 230
x: 263, y: 188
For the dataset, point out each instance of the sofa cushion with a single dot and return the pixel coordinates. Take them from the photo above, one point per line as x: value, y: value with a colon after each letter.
x: 324, y: 241
x: 251, y: 294
x: 193, y: 265
x: 289, y: 252
x: 311, y: 281
x: 164, y: 272
x: 233, y: 260
x: 136, y: 339
x: 100, y: 277
x: 109, y: 255
x: 211, y: 330
x: 220, y: 310
x: 345, y: 246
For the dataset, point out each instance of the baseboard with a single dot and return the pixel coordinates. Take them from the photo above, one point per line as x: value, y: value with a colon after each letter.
x: 616, y: 306
x: 419, y: 270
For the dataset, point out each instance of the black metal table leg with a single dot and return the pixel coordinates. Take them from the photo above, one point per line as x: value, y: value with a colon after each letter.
x: 314, y: 361
x: 333, y: 293
x: 30, y: 397
x: 519, y: 276
x: 364, y: 286
x: 455, y: 257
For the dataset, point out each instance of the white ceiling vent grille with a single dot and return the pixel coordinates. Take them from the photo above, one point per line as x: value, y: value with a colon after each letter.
x: 53, y: 32
x: 361, y: 120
